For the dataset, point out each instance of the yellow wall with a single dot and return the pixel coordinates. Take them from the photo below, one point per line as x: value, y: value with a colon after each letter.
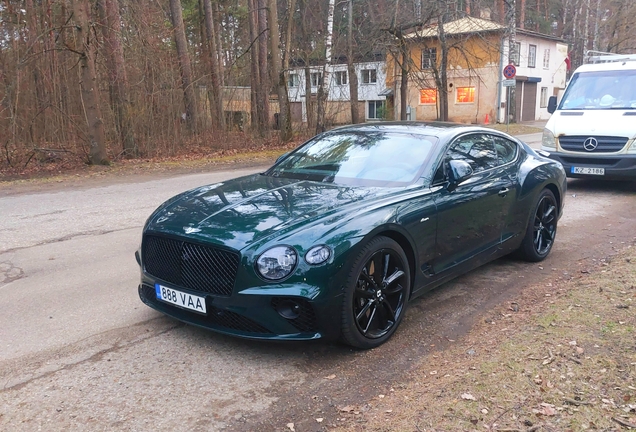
x: 473, y: 61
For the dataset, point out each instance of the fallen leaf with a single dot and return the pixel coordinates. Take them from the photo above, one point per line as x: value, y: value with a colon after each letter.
x: 330, y: 377
x: 468, y: 396
x: 547, y: 409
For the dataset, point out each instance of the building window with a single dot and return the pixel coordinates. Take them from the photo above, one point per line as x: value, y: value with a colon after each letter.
x: 369, y: 76
x: 546, y: 59
x: 532, y: 56
x: 341, y: 78
x: 376, y: 109
x: 429, y: 58
x: 316, y: 79
x: 515, y: 54
x: 292, y: 80
x: 465, y: 95
x: 428, y: 96
x: 544, y: 97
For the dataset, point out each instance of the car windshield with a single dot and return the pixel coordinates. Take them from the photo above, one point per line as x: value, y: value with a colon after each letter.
x: 378, y: 158
x: 601, y: 90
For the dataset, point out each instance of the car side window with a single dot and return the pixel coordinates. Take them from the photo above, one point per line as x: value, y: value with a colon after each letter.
x: 506, y: 150
x: 476, y: 149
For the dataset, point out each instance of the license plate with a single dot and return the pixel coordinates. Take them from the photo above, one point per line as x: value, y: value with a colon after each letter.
x: 181, y: 299
x: 583, y: 170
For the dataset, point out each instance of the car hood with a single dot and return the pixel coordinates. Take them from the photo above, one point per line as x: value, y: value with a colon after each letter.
x: 246, y: 210
x: 594, y: 122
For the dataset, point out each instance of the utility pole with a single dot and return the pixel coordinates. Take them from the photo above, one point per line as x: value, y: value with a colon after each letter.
x: 512, y: 55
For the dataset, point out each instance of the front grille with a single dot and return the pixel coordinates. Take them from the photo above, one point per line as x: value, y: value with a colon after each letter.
x: 596, y: 162
x: 216, y: 317
x: 190, y: 265
x: 604, y: 144
x: 306, y: 319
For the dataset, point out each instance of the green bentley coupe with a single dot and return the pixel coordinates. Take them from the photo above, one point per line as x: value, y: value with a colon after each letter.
x: 339, y: 235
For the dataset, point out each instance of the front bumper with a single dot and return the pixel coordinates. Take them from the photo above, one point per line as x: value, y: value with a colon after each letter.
x: 616, y: 166
x: 254, y: 314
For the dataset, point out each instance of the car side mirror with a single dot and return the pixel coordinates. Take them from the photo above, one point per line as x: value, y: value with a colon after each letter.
x: 459, y: 171
x: 552, y: 104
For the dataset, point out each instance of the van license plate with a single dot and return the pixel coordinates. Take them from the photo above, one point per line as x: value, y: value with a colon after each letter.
x: 592, y: 171
x: 181, y: 299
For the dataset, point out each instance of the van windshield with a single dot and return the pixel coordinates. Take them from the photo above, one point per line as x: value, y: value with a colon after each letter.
x: 601, y: 91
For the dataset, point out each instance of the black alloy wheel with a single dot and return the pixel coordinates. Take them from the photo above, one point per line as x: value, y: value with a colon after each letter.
x: 377, y: 294
x: 544, y: 225
x: 542, y: 228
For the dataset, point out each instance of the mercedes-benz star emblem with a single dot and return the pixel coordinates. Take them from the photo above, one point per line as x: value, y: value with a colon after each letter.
x: 590, y: 144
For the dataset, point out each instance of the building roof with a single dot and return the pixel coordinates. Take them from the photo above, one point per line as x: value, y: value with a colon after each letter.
x: 466, y: 25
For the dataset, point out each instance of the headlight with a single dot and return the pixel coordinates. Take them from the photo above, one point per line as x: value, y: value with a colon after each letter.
x: 277, y: 263
x: 317, y: 255
x: 548, y: 142
x: 632, y: 148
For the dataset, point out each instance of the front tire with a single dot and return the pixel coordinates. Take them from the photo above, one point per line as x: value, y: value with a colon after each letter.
x: 541, y: 231
x: 376, y: 294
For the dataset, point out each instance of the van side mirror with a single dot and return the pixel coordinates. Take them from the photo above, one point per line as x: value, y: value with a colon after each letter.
x: 552, y: 104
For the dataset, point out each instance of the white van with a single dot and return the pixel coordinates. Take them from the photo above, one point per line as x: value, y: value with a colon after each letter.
x: 592, y: 131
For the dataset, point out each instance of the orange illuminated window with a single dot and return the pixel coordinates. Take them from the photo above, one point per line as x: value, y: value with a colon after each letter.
x: 428, y: 96
x: 465, y: 94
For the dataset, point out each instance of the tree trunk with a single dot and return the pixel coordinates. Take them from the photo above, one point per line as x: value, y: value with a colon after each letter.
x: 309, y: 102
x: 280, y: 82
x: 117, y: 78
x: 88, y: 84
x: 351, y: 70
x: 255, y: 75
x: 263, y: 68
x: 522, y: 15
x: 219, y: 45
x: 34, y: 49
x: 323, y: 90
x: 191, y: 109
x: 443, y: 69
x: 404, y: 76
x: 218, y: 116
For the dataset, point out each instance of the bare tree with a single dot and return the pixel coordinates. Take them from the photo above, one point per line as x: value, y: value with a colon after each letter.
x: 279, y: 77
x: 117, y: 77
x: 353, y: 76
x: 88, y: 83
x: 218, y: 116
x: 263, y: 67
x: 191, y: 108
x: 323, y: 90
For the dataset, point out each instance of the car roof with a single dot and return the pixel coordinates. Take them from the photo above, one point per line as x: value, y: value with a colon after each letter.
x: 435, y: 128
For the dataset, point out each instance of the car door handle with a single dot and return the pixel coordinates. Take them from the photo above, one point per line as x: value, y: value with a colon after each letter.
x: 503, y: 192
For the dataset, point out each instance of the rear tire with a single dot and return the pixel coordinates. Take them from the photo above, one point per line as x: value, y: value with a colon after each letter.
x: 376, y: 294
x: 541, y: 231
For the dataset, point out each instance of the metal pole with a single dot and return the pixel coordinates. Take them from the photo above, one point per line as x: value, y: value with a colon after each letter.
x: 508, y: 111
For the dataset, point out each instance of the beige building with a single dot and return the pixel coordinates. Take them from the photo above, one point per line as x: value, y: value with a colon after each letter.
x: 477, y: 53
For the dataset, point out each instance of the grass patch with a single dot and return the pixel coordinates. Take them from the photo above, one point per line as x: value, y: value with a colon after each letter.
x: 566, y: 362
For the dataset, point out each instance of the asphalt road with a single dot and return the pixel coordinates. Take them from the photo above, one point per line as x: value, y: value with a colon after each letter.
x: 79, y: 351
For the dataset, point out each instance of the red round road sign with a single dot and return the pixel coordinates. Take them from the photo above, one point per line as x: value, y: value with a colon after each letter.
x: 510, y: 71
